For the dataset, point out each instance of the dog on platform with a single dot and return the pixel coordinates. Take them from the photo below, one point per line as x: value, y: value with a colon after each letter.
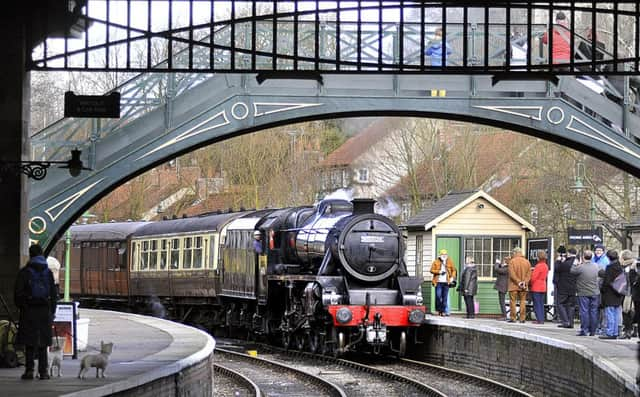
x: 98, y: 361
x: 55, y: 356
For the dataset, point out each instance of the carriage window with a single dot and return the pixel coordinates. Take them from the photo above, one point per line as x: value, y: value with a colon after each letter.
x: 136, y: 252
x: 175, y: 253
x: 144, y: 256
x: 197, y: 252
x: 153, y: 255
x: 187, y: 253
x: 163, y: 254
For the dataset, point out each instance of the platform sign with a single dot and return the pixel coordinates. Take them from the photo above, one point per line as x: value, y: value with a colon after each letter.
x: 539, y: 244
x: 545, y: 244
x: 99, y: 106
x: 585, y: 237
x: 65, y: 327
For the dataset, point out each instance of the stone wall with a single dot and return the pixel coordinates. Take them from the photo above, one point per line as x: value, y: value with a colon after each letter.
x: 541, y: 366
x: 193, y: 381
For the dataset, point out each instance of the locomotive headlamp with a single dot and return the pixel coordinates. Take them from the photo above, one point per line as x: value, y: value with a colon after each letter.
x: 416, y: 316
x: 344, y: 315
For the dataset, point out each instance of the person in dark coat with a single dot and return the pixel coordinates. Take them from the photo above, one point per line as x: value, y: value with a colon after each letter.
x: 469, y: 285
x: 501, y: 271
x: 635, y: 295
x: 611, y: 299
x: 566, y: 289
x: 36, y: 314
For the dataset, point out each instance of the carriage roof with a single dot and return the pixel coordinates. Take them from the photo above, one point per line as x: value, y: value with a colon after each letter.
x: 114, y: 231
x: 204, y: 223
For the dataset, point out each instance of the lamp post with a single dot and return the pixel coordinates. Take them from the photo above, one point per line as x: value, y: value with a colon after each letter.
x: 294, y: 181
x: 579, y: 187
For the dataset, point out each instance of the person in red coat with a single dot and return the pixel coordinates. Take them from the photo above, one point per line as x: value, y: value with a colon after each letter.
x: 560, y: 51
x: 538, y: 285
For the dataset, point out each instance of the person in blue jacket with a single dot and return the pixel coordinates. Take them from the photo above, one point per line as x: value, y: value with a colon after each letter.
x: 436, y: 47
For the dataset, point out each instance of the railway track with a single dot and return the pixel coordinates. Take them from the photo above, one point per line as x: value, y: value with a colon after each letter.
x: 229, y: 382
x: 369, y: 376
x: 271, y: 378
x: 449, y: 381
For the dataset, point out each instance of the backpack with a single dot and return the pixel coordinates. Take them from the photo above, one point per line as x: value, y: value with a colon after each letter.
x: 40, y: 286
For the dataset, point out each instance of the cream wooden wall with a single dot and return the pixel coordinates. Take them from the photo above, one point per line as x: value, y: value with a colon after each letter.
x: 488, y: 221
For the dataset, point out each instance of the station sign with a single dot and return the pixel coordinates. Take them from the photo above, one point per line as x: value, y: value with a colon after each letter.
x: 65, y: 328
x: 585, y: 236
x: 92, y: 106
x: 539, y: 244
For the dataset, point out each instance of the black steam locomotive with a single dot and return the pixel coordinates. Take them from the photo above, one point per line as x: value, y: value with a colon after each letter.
x: 328, y: 278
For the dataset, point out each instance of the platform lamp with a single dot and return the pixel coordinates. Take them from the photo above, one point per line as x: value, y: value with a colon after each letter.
x: 579, y: 187
x: 38, y: 169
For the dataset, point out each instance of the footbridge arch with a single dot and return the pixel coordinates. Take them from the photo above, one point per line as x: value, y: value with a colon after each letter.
x: 211, y: 108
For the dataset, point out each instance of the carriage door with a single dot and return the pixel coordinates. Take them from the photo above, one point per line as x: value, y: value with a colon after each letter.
x: 452, y: 245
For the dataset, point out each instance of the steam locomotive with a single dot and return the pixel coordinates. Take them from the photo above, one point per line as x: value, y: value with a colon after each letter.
x: 328, y: 278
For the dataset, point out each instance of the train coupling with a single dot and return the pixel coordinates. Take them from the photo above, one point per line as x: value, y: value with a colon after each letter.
x: 376, y: 332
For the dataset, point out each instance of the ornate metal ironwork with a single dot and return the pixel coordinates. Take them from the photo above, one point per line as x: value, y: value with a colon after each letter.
x: 343, y: 37
x: 37, y: 170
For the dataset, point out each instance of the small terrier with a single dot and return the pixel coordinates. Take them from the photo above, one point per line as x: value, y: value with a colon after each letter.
x: 99, y: 361
x: 55, y: 357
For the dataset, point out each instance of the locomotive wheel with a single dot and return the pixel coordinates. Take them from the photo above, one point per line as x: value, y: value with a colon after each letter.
x: 298, y: 340
x: 339, y: 347
x: 313, y: 342
x: 286, y: 340
x: 402, y: 348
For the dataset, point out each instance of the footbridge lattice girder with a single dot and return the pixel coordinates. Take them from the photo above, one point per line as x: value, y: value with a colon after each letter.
x: 230, y: 105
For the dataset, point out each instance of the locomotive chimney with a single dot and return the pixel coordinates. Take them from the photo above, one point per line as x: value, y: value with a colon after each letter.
x: 363, y: 206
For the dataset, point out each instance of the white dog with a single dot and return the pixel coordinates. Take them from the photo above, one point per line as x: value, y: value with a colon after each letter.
x: 55, y: 356
x: 98, y: 361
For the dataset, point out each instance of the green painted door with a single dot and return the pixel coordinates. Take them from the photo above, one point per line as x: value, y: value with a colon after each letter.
x: 452, y: 245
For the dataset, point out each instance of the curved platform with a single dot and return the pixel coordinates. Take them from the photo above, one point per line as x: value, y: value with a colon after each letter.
x: 542, y: 359
x: 149, y: 355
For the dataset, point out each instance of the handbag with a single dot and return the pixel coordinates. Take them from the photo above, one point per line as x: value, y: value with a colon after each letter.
x: 619, y: 284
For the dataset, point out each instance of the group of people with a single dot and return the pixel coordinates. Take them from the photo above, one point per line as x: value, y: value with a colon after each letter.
x: 514, y: 276
x: 605, y: 287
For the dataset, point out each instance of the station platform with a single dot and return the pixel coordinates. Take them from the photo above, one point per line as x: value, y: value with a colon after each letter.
x: 147, y: 351
x: 618, y: 358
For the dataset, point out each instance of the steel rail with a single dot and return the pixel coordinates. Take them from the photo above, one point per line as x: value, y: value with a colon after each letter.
x: 500, y: 388
x: 331, y: 388
x: 424, y: 388
x: 243, y: 380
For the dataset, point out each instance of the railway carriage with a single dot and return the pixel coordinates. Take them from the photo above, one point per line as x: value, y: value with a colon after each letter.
x: 177, y: 263
x: 100, y: 262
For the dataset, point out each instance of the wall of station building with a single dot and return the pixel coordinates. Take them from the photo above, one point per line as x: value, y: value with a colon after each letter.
x: 523, y: 362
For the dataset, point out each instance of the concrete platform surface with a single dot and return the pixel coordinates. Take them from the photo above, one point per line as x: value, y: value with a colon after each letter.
x: 145, y: 349
x: 618, y: 356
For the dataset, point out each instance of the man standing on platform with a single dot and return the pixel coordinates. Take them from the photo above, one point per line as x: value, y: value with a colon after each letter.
x: 566, y: 292
x: 36, y: 296
x: 588, y: 293
x: 444, y: 276
x: 602, y: 261
x: 519, y: 277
